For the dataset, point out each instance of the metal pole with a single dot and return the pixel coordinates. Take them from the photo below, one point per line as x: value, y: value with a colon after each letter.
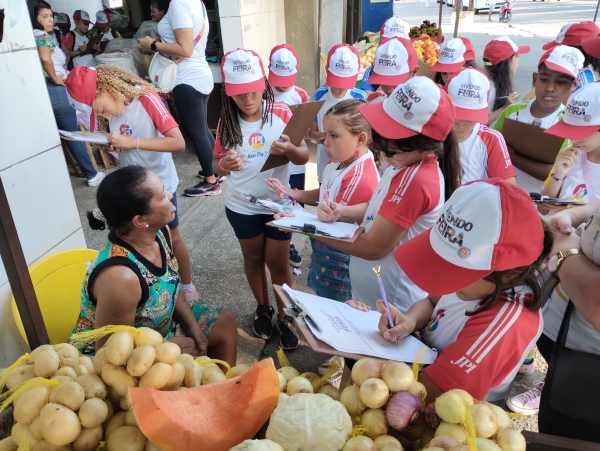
x: 596, y: 13
x: 440, y: 33
x: 457, y: 18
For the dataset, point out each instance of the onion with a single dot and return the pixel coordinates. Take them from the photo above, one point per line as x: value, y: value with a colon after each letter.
x: 511, y: 440
x: 415, y: 431
x: 487, y: 445
x: 330, y: 391
x: 282, y: 397
x: 288, y: 372
x: 282, y: 382
x: 435, y: 448
x: 398, y: 376
x: 351, y: 400
x: 484, y: 420
x: 444, y: 442
x: 360, y: 443
x: 310, y: 376
x: 451, y: 408
x: 432, y: 420
x: 452, y: 430
x: 403, y: 410
x: 418, y: 389
x: 374, y: 393
x: 299, y: 385
x: 461, y: 448
x: 366, y: 368
x: 384, y: 440
x: 375, y: 422
x: 391, y: 447
x: 466, y: 397
x: 502, y: 419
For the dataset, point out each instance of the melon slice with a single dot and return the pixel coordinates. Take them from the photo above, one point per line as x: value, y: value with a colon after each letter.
x: 214, y: 417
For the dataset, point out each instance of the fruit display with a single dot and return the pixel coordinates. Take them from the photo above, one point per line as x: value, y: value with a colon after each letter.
x: 427, y: 50
x: 425, y: 29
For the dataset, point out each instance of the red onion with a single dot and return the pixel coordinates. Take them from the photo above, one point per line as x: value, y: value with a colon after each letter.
x: 403, y: 410
x: 431, y: 417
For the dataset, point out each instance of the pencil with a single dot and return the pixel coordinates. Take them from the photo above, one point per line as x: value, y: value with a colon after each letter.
x: 384, y: 297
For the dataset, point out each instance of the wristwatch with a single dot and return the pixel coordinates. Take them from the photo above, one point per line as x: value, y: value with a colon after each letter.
x: 557, y: 260
x: 153, y: 46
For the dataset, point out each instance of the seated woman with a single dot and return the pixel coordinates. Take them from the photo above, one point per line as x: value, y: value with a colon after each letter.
x: 478, y: 264
x: 134, y: 280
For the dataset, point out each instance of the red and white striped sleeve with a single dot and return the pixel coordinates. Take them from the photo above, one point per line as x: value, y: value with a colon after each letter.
x: 358, y: 185
x: 302, y: 94
x: 489, y: 347
x: 499, y: 163
x: 162, y: 119
x: 376, y: 97
x: 282, y: 111
x: 218, y: 150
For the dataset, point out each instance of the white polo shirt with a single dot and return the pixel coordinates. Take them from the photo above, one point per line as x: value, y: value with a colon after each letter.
x: 294, y: 96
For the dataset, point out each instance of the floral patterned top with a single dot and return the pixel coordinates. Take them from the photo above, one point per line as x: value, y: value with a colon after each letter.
x: 160, y: 286
x: 44, y: 39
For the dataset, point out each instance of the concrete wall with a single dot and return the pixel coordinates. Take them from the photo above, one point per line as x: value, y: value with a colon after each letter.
x: 332, y: 23
x: 32, y: 164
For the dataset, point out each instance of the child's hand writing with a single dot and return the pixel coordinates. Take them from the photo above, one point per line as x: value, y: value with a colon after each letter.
x: 119, y: 143
x: 232, y: 161
x: 280, y: 148
x: 512, y: 98
x: 328, y: 211
x: 565, y: 161
x: 273, y: 187
x: 404, y: 325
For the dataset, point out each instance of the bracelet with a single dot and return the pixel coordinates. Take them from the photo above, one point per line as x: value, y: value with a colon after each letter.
x: 297, y: 195
x: 221, y: 165
x: 557, y: 180
x: 137, y: 143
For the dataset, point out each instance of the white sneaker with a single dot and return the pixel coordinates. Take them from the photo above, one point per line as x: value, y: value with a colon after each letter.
x: 527, y: 403
x: 96, y: 180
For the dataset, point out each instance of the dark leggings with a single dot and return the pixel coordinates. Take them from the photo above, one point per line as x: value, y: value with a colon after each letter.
x: 192, y: 106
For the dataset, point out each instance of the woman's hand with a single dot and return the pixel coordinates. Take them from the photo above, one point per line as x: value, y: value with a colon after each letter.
x: 232, y: 161
x: 512, y: 98
x: 328, y: 211
x: 273, y: 184
x: 199, y: 338
x: 358, y: 305
x: 404, y: 325
x: 187, y: 345
x: 284, y: 214
x: 145, y: 43
x: 565, y: 161
x: 119, y: 143
x: 280, y: 148
x: 59, y: 80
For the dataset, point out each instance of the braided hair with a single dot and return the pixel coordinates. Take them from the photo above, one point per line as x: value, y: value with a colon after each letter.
x: 230, y: 133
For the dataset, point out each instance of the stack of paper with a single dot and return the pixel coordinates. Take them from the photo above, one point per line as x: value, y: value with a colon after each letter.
x: 355, y: 332
x: 341, y: 230
x: 273, y: 206
x: 90, y: 137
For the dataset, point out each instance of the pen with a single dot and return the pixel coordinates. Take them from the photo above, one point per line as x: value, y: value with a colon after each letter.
x: 284, y: 192
x: 384, y: 297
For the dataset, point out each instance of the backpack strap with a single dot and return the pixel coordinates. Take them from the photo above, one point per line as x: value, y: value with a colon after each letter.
x: 70, y: 33
x: 197, y: 39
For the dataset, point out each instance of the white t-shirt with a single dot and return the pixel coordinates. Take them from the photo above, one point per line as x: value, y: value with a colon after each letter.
x: 377, y: 97
x: 412, y: 198
x: 74, y: 41
x: 484, y: 154
x: 107, y: 36
x: 574, y: 186
x: 193, y: 71
x: 254, y: 153
x: 294, y: 96
x: 481, y: 353
x: 352, y: 185
x: 324, y: 93
x: 147, y: 118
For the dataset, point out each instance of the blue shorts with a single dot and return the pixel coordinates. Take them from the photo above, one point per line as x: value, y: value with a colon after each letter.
x: 175, y: 222
x: 329, y: 274
x: 251, y: 226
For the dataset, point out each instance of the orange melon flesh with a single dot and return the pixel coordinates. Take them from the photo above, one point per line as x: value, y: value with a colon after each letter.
x: 213, y: 417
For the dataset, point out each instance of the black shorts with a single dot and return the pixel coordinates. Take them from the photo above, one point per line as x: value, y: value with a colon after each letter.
x: 250, y: 226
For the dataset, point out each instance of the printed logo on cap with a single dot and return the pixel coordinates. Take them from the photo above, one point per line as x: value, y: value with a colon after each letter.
x: 565, y: 59
x: 452, y: 51
x: 469, y: 89
x: 395, y: 27
x: 283, y: 63
x: 241, y: 67
x: 391, y: 59
x: 343, y: 63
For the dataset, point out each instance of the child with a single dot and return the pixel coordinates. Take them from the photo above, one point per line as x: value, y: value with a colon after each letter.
x: 395, y: 62
x: 454, y: 55
x: 342, y: 73
x: 349, y: 179
x: 250, y: 119
x: 479, y: 265
x: 483, y: 152
x: 413, y: 129
x: 62, y: 26
x: 77, y: 40
x: 283, y: 70
x: 392, y: 28
x: 555, y: 78
x: 102, y: 25
x: 142, y: 132
x: 501, y: 58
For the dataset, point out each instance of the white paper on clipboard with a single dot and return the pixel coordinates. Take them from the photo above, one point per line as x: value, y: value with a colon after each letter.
x: 89, y: 137
x: 341, y: 230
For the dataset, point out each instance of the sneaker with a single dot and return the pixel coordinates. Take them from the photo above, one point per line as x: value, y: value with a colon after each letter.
x: 527, y: 368
x: 203, y: 189
x: 95, y: 181
x: 220, y: 178
x: 263, y: 322
x: 289, y: 336
x: 527, y: 403
x: 295, y: 259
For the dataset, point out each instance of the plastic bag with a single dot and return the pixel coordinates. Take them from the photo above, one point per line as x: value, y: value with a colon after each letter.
x: 147, y: 28
x: 123, y: 60
x: 129, y: 46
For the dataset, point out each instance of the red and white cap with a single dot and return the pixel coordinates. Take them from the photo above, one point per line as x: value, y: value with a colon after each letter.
x: 499, y: 49
x: 592, y: 46
x: 453, y: 55
x: 394, y: 61
x: 469, y: 90
x: 62, y: 20
x: 582, y: 114
x: 342, y: 67
x: 574, y: 33
x: 82, y: 15
x: 81, y: 91
x: 102, y: 19
x: 283, y: 66
x: 565, y: 59
x: 418, y: 106
x: 394, y: 27
x: 487, y: 225
x: 242, y: 72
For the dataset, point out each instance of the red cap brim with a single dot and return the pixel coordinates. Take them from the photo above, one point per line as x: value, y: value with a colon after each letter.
x: 283, y: 82
x: 100, y: 25
x: 523, y: 49
x: 550, y: 45
x: 592, y: 46
x: 333, y: 81
x: 564, y: 130
x: 87, y: 22
x: 464, y: 114
x: 383, y: 124
x: 387, y: 80
x: 557, y: 68
x: 244, y: 88
x: 419, y: 261
x: 454, y: 67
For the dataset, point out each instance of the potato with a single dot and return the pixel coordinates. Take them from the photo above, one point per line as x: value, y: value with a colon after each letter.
x: 210, y: 376
x: 87, y: 362
x: 66, y: 371
x: 157, y: 376
x: 88, y: 439
x: 126, y: 438
x: 92, y: 413
x: 28, y: 405
x: 69, y: 356
x: 177, y: 377
x: 70, y: 395
x: 20, y: 374
x: 240, y: 369
x: 93, y: 385
x: 167, y: 352
x: 130, y: 419
x: 9, y: 445
x: 117, y: 421
x: 60, y: 425
x: 99, y: 361
x: 118, y: 378
x: 207, y: 366
x: 119, y: 347
x: 124, y: 403
x: 62, y: 379
x: 35, y: 429
x: 193, y: 373
x: 147, y: 337
x: 113, y: 396
x: 111, y: 410
x: 81, y: 370
x: 151, y: 446
x: 43, y: 445
x: 184, y: 357
x: 60, y: 346
x: 140, y: 360
x: 46, y: 363
x: 33, y: 354
x: 21, y: 435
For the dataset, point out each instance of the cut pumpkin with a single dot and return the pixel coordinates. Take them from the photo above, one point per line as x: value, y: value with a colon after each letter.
x: 214, y: 417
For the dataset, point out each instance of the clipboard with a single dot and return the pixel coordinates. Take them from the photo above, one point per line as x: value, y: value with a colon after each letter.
x: 424, y: 70
x: 558, y: 205
x: 303, y: 116
x: 254, y: 201
x: 316, y: 236
x: 84, y: 136
x: 92, y: 42
x: 530, y: 141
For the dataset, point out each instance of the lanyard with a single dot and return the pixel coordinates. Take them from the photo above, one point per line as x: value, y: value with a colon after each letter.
x: 586, y: 177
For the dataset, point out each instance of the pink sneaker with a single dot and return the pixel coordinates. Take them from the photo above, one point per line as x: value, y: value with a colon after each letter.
x: 527, y: 368
x: 527, y: 403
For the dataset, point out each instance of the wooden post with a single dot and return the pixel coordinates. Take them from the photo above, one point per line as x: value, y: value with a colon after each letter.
x: 19, y: 279
x: 458, y: 5
x: 440, y: 32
